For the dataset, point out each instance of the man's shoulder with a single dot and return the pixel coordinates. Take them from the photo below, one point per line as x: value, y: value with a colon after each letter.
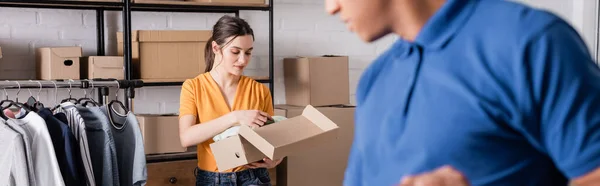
x: 508, y: 18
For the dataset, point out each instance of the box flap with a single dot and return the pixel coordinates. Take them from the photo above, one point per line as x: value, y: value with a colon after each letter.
x: 257, y: 141
x: 318, y: 118
x: 66, y: 51
x: 173, y: 35
x: 134, y: 36
x: 269, y: 139
x: 107, y: 61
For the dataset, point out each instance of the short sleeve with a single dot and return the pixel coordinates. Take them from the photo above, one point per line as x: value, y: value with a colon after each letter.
x: 187, y: 99
x: 565, y: 85
x: 268, y: 102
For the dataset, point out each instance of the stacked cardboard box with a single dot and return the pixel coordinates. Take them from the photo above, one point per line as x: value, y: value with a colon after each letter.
x: 234, y: 2
x: 103, y: 67
x: 160, y: 133
x: 58, y: 63
x: 166, y: 55
x: 321, y: 81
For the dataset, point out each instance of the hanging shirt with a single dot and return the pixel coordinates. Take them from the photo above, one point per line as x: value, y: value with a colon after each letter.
x: 504, y: 93
x: 77, y: 126
x: 27, y: 148
x: 102, y: 147
x: 201, y: 97
x: 129, y: 146
x: 13, y: 162
x: 45, y: 165
x: 65, y: 147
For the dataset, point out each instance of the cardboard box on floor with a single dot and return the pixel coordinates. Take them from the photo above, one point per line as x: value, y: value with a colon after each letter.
x: 167, y: 55
x: 323, y: 165
x: 317, y: 81
x: 160, y: 133
x: 275, y: 141
x: 104, y: 67
x: 58, y: 63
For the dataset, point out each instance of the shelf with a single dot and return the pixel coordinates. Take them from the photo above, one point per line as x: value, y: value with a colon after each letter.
x: 155, y: 6
x: 153, y: 158
x: 64, y: 4
x: 190, y: 6
x: 150, y: 83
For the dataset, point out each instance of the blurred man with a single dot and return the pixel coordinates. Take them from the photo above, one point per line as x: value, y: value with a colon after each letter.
x: 474, y: 93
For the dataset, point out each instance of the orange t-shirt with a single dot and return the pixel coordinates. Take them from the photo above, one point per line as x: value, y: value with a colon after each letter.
x: 202, y: 98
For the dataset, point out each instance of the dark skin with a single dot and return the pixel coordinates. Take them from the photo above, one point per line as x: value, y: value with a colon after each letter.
x: 373, y: 19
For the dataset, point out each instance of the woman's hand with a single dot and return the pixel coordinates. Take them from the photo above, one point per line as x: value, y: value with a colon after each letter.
x: 251, y: 118
x: 265, y: 163
x: 443, y: 176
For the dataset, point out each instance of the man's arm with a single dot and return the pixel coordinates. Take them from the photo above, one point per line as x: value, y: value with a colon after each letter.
x: 565, y: 89
x: 590, y: 179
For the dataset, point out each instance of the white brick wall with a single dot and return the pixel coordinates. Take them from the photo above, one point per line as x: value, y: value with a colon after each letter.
x: 301, y: 28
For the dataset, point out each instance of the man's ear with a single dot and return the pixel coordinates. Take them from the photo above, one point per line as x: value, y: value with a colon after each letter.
x: 216, y: 48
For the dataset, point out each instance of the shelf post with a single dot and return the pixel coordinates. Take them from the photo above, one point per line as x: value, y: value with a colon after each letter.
x: 271, y: 53
x: 100, y: 40
x: 127, y: 44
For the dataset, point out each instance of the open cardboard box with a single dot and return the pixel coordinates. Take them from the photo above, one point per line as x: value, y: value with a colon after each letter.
x: 275, y: 141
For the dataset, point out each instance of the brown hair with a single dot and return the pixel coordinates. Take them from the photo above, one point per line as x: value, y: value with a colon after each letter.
x: 225, y: 27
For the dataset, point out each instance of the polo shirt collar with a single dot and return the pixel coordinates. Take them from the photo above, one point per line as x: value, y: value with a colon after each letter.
x: 445, y: 23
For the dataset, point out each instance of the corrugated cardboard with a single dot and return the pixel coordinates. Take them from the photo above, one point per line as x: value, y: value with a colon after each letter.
x: 167, y: 55
x: 233, y: 152
x: 317, y: 81
x: 160, y: 134
x: 275, y: 141
x: 102, y: 67
x: 323, y: 165
x: 58, y: 63
x: 236, y: 1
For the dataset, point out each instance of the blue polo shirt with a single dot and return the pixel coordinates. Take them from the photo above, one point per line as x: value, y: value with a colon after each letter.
x: 504, y: 93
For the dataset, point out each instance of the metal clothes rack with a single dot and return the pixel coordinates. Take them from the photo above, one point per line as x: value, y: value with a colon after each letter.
x: 126, y: 6
x: 101, y: 85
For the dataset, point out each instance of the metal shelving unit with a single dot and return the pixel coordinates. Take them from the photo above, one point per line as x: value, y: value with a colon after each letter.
x: 127, y: 7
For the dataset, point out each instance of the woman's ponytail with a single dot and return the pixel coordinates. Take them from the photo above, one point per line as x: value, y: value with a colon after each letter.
x: 209, y: 55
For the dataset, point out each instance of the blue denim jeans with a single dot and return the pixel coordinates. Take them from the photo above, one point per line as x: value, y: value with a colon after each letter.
x: 249, y: 177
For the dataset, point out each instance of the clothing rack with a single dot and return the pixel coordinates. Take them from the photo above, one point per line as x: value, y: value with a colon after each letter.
x: 102, y: 85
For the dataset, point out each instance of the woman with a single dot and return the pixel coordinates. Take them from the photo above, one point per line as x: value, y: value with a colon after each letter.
x: 221, y: 98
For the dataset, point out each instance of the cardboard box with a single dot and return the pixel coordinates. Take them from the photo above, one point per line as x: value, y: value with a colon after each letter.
x: 167, y: 55
x: 160, y: 134
x: 317, y: 81
x: 102, y: 67
x: 275, y: 141
x: 58, y: 63
x: 323, y: 165
x: 236, y: 1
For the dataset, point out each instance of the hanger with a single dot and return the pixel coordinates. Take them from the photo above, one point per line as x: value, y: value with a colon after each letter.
x: 55, y: 96
x: 86, y: 99
x: 39, y: 105
x: 116, y: 101
x: 2, y: 103
x: 33, y: 103
x: 12, y: 103
x: 70, y: 99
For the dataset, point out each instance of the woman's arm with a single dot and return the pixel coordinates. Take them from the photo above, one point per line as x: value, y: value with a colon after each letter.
x: 191, y: 134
